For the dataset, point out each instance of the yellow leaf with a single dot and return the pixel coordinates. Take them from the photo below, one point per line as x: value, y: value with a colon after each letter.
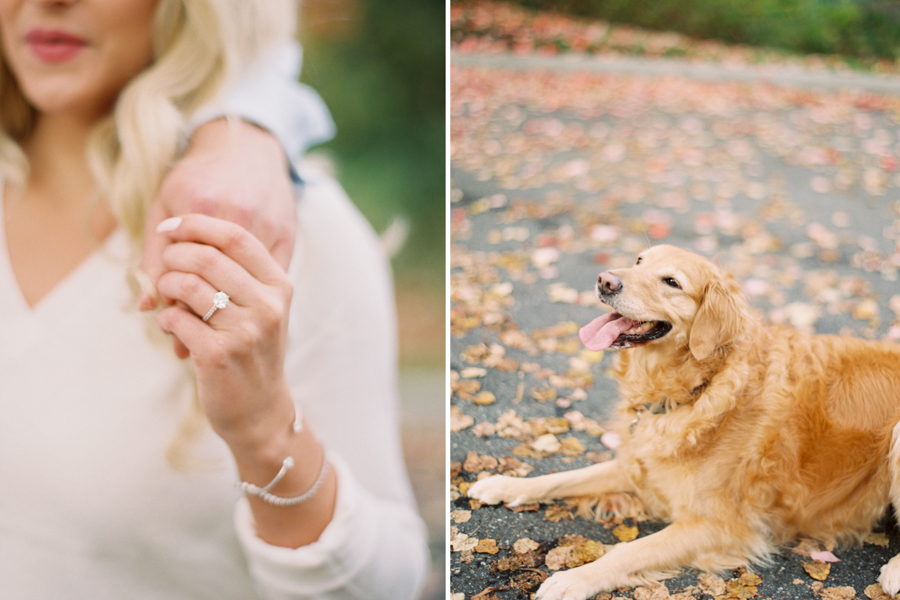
x: 487, y: 546
x: 624, y: 533
x: 878, y: 539
x: 817, y: 570
x: 570, y: 446
x: 556, y: 513
x: 484, y: 398
x: 544, y: 394
x: 586, y: 552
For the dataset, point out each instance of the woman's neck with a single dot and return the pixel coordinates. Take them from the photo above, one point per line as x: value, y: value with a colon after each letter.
x: 57, y: 220
x: 58, y: 161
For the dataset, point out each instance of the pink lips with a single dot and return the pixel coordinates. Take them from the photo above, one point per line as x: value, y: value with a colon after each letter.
x: 54, y: 46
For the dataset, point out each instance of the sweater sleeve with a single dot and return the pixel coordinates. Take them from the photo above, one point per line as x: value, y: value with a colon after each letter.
x: 341, y: 366
x: 270, y: 96
x: 372, y: 549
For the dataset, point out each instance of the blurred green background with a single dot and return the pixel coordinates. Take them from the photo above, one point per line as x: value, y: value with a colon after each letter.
x: 866, y: 29
x: 380, y: 66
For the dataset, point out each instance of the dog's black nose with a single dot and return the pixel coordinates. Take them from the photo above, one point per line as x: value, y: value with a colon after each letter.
x: 608, y: 284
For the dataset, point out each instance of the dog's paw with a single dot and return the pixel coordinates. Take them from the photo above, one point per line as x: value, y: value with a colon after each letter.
x: 567, y: 585
x: 890, y: 577
x: 512, y: 491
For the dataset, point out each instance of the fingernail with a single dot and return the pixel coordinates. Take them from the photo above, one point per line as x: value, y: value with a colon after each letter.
x: 146, y: 302
x: 169, y: 224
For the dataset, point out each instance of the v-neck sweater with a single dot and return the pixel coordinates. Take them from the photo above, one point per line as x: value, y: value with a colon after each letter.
x: 89, y: 507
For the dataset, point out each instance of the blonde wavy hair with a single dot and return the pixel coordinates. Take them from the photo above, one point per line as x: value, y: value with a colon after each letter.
x: 199, y: 47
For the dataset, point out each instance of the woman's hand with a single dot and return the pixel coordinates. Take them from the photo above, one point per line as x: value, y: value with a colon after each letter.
x: 232, y: 170
x: 239, y: 352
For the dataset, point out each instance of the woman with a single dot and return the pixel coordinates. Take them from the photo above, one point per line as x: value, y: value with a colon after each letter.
x: 93, y: 98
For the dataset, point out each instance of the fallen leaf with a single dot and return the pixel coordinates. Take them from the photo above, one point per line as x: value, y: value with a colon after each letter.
x: 544, y: 394
x: 557, y: 557
x: 458, y: 420
x: 875, y: 592
x: 487, y: 594
x: 743, y: 588
x: 625, y: 533
x: 547, y: 443
x: 571, y: 446
x: 524, y: 545
x: 511, y: 425
x: 556, y: 513
x: 484, y: 398
x: 838, y: 593
x: 475, y: 463
x: 487, y: 546
x: 510, y: 563
x: 472, y: 372
x: 817, y: 570
x: 461, y: 542
x: 711, y: 584
x: 527, y: 581
x: 656, y: 591
x: 460, y: 516
x: 466, y: 387
x: 554, y: 425
x: 513, y: 467
x: 483, y: 429
x: 877, y: 539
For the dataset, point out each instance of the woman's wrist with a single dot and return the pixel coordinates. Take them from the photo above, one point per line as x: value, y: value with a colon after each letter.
x: 298, y: 495
x: 258, y: 465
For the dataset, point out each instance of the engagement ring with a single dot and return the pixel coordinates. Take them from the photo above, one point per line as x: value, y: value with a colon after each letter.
x: 220, y: 300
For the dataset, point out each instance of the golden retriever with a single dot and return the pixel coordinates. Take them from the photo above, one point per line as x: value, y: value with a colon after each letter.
x: 742, y: 435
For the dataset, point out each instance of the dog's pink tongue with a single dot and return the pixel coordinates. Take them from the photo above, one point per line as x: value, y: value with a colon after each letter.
x: 600, y: 333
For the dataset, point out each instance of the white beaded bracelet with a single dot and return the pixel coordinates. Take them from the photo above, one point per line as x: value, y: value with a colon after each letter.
x: 263, y: 492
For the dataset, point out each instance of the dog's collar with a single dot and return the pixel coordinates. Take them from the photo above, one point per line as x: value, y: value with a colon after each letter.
x: 660, y: 408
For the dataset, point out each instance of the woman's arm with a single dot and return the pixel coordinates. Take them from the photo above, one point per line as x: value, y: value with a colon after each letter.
x: 341, y: 369
x: 238, y: 354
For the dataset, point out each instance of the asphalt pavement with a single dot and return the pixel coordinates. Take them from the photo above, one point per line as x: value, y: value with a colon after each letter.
x: 559, y: 172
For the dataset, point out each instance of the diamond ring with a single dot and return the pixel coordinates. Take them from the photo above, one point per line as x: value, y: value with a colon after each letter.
x: 220, y: 300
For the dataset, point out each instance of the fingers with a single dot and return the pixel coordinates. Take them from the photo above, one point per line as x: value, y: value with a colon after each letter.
x: 283, y: 250
x: 232, y: 240
x: 210, y: 270
x: 193, y: 291
x: 190, y: 334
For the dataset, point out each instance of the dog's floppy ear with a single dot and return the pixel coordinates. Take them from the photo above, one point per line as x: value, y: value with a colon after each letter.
x: 719, y: 320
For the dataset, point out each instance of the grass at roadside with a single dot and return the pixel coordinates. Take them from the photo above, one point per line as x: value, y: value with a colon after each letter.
x: 614, y: 28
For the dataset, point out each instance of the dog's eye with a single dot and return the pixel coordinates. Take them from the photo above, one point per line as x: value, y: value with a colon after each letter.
x: 669, y: 281
x: 638, y: 260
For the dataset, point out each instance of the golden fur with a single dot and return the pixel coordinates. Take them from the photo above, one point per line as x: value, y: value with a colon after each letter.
x: 747, y: 436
